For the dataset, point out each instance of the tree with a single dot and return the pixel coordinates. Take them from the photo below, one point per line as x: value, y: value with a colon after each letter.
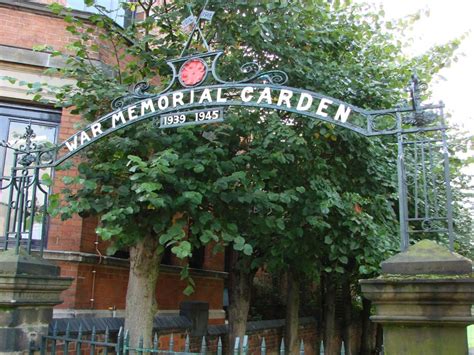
x: 350, y: 53
x: 305, y: 197
x: 147, y: 186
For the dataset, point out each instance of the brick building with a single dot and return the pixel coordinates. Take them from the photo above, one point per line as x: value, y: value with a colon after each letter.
x: 100, y: 281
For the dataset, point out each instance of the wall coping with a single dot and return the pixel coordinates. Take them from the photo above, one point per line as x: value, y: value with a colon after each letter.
x: 114, y: 324
x: 255, y: 326
x: 26, y: 56
x: 88, y: 258
x: 164, y: 323
x: 61, y: 313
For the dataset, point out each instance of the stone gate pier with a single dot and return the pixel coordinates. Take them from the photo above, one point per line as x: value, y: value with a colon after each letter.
x: 423, y: 300
x: 29, y: 289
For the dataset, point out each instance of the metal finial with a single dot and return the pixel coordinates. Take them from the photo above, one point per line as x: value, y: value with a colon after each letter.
x: 415, y: 91
x: 419, y: 117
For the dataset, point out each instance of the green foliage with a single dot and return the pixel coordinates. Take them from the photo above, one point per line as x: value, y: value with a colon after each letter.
x: 288, y: 192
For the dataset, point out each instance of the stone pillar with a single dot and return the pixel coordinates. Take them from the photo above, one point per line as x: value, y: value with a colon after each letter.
x: 29, y: 289
x: 423, y: 301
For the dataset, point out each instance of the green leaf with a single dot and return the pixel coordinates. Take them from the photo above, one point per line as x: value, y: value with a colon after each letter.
x: 343, y: 259
x: 194, y: 197
x: 56, y: 8
x: 207, y: 236
x: 10, y: 79
x: 46, y: 180
x: 328, y: 240
x: 189, y: 290
x: 69, y: 180
x: 176, y: 232
x: 185, y: 272
x: 280, y: 224
x: 182, y: 250
x: 148, y: 187
x: 198, y: 168
x: 111, y: 249
x: 90, y: 184
x: 247, y: 249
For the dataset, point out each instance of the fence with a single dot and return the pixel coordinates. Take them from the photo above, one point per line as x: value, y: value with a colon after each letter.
x: 106, y: 344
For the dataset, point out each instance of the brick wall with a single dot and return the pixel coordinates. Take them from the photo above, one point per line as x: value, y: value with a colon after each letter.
x: 213, y: 261
x: 26, y: 29
x: 65, y: 235
x: 68, y: 296
x: 104, y: 287
x: 272, y: 331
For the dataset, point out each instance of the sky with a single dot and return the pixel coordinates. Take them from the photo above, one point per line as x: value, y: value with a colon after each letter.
x: 446, y: 20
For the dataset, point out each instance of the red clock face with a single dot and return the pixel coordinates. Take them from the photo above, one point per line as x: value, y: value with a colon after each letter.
x: 192, y: 72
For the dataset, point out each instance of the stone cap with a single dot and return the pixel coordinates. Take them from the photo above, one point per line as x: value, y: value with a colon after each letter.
x: 427, y: 257
x: 25, y: 264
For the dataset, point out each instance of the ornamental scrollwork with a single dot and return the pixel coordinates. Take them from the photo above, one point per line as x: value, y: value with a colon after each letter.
x: 136, y: 92
x: 273, y: 77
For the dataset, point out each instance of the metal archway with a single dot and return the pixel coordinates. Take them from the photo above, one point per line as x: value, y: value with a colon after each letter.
x: 196, y: 94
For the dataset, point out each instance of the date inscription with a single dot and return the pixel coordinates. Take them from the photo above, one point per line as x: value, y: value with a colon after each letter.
x: 203, y: 116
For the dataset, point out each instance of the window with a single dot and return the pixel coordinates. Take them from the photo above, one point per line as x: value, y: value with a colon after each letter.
x: 13, y: 121
x: 118, y: 14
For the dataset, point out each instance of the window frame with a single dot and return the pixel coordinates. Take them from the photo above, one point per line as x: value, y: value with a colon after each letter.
x: 23, y: 113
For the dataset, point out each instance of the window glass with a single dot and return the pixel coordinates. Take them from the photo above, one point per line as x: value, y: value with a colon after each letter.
x: 13, y: 129
x: 117, y: 14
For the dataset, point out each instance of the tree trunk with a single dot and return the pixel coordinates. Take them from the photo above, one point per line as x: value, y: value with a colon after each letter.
x: 241, y: 277
x: 319, y: 314
x: 347, y: 309
x: 378, y: 338
x: 292, y: 314
x: 141, y: 305
x: 332, y: 343
x: 367, y: 333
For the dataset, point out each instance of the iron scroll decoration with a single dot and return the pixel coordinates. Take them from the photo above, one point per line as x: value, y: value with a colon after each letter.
x: 139, y: 90
x: 197, y: 75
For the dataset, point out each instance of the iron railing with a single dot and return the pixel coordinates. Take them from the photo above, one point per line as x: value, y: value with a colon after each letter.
x: 78, y: 342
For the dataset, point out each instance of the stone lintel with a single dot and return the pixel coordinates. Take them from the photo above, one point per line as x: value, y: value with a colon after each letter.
x: 29, y: 57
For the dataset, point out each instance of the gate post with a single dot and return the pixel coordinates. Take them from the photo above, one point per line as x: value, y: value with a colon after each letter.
x: 29, y: 289
x: 423, y: 301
